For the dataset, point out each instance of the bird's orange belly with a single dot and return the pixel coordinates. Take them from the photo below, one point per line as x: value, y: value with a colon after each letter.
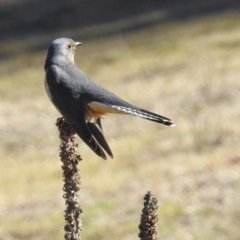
x: 97, y: 110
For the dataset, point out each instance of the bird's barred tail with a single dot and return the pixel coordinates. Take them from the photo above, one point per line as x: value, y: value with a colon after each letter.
x: 145, y: 114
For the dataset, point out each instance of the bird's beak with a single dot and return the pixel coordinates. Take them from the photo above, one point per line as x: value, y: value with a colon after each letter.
x: 78, y: 43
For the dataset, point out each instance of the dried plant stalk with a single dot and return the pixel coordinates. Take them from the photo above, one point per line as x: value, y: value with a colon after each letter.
x: 149, y: 218
x: 71, y: 178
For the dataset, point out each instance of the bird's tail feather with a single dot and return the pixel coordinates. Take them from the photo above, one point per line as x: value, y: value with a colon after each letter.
x: 146, y: 115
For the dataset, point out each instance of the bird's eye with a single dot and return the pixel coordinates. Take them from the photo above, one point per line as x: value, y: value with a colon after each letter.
x: 69, y: 46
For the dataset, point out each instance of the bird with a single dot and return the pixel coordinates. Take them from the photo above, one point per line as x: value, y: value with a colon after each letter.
x: 81, y: 101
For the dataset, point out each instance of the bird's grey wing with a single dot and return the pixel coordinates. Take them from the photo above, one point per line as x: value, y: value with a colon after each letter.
x: 99, y: 123
x: 65, y: 95
x: 98, y: 135
x: 101, y: 101
x: 83, y: 131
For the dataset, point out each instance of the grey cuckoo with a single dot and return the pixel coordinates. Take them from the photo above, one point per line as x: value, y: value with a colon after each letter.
x: 81, y: 101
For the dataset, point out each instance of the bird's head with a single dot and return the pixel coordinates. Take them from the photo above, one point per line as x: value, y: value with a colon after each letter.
x: 63, y: 47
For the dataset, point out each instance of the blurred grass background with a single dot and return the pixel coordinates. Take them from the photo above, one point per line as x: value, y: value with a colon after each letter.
x: 183, y: 64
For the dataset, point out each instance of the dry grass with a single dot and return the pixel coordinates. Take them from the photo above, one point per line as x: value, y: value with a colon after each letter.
x: 187, y: 71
